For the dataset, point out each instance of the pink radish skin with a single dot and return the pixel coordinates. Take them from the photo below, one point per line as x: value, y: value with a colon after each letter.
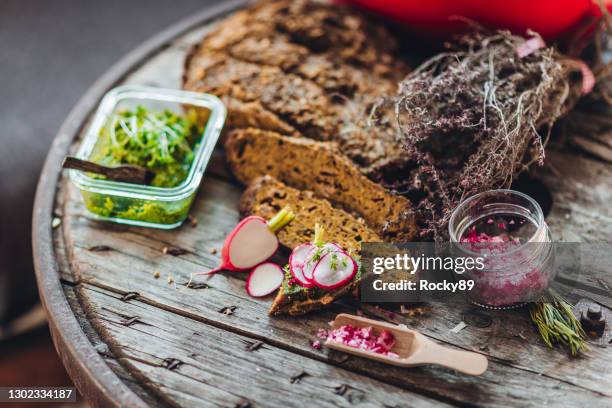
x: 327, y: 278
x: 297, y: 261
x: 264, y: 279
x: 250, y: 243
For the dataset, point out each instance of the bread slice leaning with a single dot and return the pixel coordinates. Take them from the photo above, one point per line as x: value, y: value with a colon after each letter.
x: 265, y: 196
x: 319, y: 167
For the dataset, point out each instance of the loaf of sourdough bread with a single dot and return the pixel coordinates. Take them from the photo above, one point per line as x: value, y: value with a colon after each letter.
x: 319, y: 167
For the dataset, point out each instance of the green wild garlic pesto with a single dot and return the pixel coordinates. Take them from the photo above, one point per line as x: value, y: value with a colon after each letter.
x: 163, y: 142
x: 160, y: 141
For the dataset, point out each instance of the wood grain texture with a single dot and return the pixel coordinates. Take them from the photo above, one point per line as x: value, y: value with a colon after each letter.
x: 166, y: 343
x: 188, y: 362
x: 517, y: 355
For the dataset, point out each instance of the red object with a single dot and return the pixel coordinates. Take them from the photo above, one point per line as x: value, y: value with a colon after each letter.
x: 261, y: 283
x: 227, y: 264
x: 550, y: 18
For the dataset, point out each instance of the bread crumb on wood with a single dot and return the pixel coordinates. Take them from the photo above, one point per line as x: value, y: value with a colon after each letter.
x: 213, y: 251
x: 56, y: 222
x: 193, y: 221
x: 156, y: 274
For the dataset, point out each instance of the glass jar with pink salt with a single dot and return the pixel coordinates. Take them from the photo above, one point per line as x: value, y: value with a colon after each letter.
x: 507, y: 230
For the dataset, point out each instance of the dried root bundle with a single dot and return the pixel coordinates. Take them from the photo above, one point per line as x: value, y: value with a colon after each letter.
x: 472, y: 119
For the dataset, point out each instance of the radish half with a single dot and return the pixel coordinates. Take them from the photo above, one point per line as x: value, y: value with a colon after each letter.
x: 264, y: 279
x: 297, y: 261
x: 251, y: 242
x: 335, y: 269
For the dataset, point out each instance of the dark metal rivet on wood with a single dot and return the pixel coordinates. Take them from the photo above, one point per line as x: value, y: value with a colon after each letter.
x: 253, y: 346
x: 196, y: 285
x: 174, y: 251
x: 130, y: 296
x: 594, y: 312
x: 172, y: 363
x: 341, y: 389
x: 593, y: 321
x: 298, y: 377
x: 227, y: 310
x: 130, y: 321
x: 100, y: 248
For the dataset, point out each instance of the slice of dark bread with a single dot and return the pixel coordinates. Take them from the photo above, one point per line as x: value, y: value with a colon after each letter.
x: 265, y: 196
x: 306, y: 68
x: 297, y: 303
x: 319, y: 167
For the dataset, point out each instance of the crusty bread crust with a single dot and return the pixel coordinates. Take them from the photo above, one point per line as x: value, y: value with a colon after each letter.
x: 294, y: 305
x: 318, y: 167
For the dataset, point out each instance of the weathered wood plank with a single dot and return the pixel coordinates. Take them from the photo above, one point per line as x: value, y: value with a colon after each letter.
x: 582, y: 193
x: 142, y: 250
x: 104, y: 351
x: 189, y: 363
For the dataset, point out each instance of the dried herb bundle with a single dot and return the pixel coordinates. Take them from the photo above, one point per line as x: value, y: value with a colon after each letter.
x: 557, y: 324
x: 469, y: 119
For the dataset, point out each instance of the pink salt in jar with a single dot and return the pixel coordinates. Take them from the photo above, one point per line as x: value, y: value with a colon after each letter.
x: 507, y: 229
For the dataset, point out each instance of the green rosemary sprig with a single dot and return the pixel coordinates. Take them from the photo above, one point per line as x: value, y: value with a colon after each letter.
x: 558, y: 325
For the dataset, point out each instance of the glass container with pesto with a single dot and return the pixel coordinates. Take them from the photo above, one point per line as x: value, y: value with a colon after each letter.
x: 170, y: 132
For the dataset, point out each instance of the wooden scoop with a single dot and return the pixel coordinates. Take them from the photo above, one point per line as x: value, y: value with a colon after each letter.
x: 125, y: 173
x: 413, y: 348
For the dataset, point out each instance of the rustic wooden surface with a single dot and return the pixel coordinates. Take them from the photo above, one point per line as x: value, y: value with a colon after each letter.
x: 130, y: 339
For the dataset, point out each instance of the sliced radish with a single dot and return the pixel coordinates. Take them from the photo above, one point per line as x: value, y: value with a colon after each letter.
x: 334, y: 270
x: 251, y: 242
x: 264, y: 279
x: 314, y: 256
x: 297, y: 260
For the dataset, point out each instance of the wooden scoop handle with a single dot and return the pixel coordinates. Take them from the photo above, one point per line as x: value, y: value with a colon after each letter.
x: 466, y: 362
x: 123, y: 173
x: 71, y: 162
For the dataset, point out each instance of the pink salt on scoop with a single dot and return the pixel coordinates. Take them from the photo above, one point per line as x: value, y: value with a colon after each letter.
x: 364, y: 338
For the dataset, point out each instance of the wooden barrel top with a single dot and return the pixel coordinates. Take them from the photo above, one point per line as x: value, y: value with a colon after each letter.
x: 129, y: 339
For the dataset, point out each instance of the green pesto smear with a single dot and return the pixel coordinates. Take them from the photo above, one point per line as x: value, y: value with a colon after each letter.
x: 163, y: 142
x: 291, y: 287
